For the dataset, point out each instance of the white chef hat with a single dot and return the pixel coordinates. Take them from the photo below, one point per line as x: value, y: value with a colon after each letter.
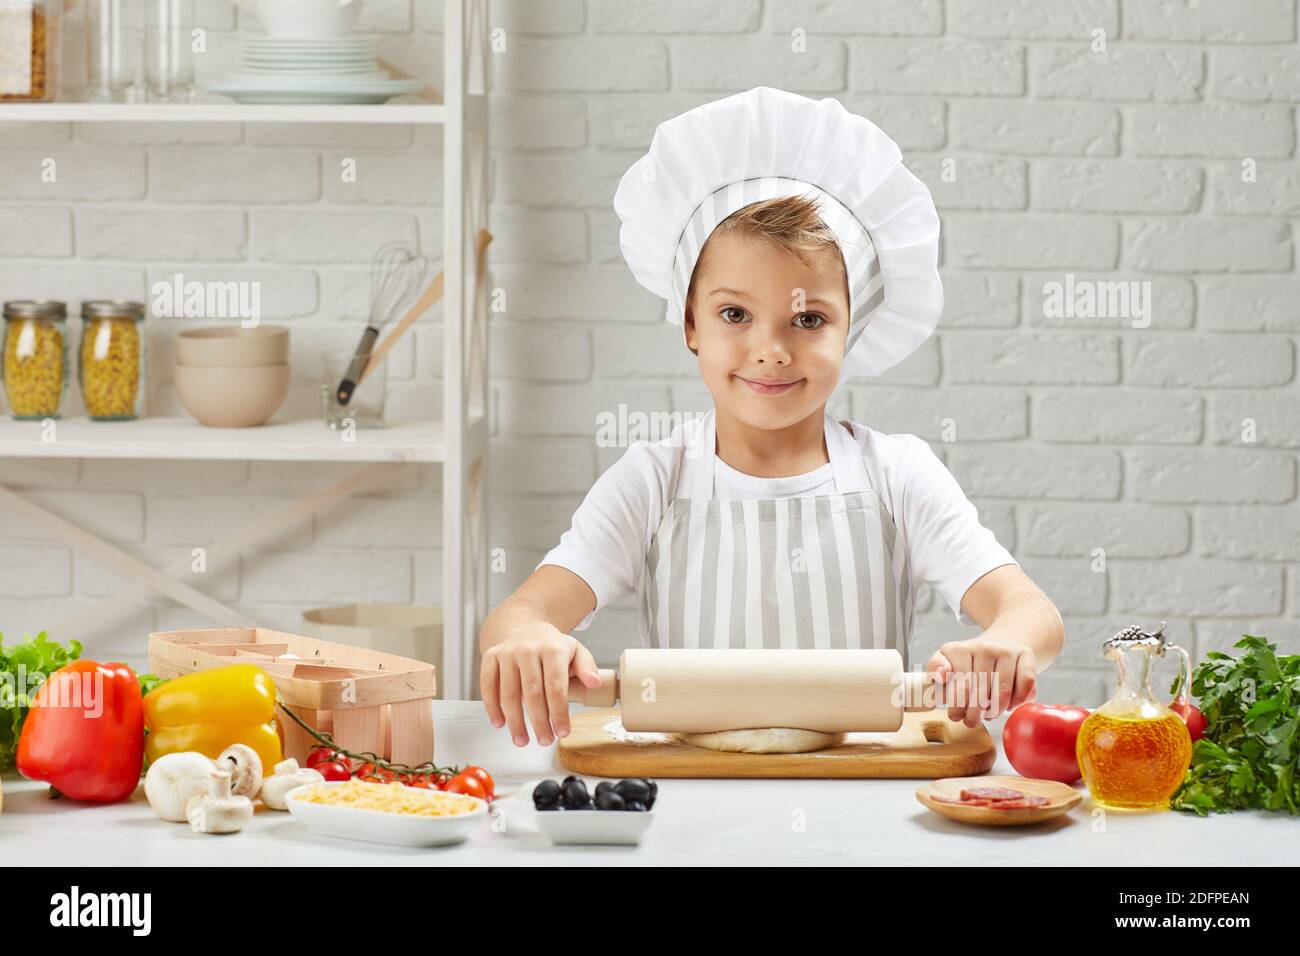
x: 765, y: 143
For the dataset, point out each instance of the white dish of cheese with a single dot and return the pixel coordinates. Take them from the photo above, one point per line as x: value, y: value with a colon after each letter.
x: 386, y: 813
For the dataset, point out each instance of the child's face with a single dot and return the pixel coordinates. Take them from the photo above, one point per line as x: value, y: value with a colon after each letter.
x: 758, y: 314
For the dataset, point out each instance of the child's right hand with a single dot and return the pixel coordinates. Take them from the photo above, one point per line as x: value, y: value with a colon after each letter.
x: 530, y: 669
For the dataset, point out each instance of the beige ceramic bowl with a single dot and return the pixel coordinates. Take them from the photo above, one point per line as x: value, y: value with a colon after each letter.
x: 231, y: 346
x: 232, y: 397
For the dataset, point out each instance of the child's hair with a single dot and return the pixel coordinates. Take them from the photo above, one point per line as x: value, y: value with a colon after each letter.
x: 790, y: 223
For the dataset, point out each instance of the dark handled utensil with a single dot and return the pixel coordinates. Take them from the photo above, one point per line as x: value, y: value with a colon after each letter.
x: 358, y: 364
x: 395, y: 276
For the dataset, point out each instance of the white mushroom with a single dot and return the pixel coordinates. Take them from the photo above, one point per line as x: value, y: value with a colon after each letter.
x: 173, y: 780
x: 287, y: 776
x: 245, y: 768
x: 218, y: 811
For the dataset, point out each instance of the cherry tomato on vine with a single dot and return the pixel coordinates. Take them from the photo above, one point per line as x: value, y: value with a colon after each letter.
x: 467, y: 784
x: 334, y: 770
x: 489, y: 785
x: 320, y: 755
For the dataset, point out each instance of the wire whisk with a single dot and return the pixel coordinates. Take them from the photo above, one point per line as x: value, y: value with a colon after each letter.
x: 396, y: 273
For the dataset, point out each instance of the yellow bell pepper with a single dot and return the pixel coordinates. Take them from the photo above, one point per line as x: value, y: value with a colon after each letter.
x: 207, y: 711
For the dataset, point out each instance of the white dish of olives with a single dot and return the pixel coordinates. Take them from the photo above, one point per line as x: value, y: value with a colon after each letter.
x: 617, y: 813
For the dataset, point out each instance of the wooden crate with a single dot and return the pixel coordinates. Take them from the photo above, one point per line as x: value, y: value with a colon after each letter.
x: 368, y: 700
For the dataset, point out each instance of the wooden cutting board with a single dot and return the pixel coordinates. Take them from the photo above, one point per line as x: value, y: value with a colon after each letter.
x: 928, y: 746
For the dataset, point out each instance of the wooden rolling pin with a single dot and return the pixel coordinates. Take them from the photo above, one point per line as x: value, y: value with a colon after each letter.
x: 705, y: 690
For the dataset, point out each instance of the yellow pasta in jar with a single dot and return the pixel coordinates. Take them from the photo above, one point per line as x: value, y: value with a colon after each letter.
x: 34, y: 358
x: 389, y: 798
x: 110, y: 367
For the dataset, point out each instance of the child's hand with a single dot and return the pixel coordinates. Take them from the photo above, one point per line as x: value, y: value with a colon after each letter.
x: 531, y: 669
x: 998, y: 675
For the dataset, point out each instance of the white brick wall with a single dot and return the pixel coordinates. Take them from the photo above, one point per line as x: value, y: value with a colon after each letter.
x: 1073, y: 433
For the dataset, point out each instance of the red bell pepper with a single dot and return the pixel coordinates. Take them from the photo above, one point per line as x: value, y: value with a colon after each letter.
x: 84, y: 734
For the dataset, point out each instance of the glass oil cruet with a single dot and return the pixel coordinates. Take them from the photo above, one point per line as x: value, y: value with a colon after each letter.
x: 1133, y: 750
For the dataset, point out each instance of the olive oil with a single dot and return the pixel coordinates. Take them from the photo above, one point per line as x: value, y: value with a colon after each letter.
x: 1133, y: 762
x: 1133, y: 751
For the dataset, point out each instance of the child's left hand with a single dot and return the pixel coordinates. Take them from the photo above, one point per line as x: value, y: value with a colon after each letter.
x: 1009, y: 676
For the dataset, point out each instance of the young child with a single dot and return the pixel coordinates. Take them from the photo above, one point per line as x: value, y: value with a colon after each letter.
x: 795, y: 250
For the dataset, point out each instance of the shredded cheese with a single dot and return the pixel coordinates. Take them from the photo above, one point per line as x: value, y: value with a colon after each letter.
x: 389, y: 798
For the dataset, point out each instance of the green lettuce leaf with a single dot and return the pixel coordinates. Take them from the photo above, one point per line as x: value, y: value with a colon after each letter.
x: 23, y: 668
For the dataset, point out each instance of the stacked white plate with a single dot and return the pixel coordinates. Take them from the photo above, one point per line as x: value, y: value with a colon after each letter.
x: 311, y: 70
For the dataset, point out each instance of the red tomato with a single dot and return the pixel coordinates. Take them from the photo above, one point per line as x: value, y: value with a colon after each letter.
x: 1039, y: 739
x: 1192, y: 717
x: 334, y: 770
x: 469, y: 784
x: 489, y: 785
x: 320, y: 755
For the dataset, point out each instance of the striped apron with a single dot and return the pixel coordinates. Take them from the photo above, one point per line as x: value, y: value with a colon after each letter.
x: 818, y: 571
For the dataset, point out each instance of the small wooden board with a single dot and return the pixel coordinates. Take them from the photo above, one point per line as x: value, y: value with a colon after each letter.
x: 928, y: 746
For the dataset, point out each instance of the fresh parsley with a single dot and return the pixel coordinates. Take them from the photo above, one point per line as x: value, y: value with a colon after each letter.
x: 1249, y: 756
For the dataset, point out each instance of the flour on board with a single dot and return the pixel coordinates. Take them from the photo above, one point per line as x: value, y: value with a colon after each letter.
x: 616, y: 730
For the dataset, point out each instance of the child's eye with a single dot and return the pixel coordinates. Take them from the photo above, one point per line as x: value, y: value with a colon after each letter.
x: 815, y: 320
x: 730, y: 311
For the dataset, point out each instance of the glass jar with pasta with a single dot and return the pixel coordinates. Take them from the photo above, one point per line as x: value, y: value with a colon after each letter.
x: 35, y: 366
x: 112, y: 367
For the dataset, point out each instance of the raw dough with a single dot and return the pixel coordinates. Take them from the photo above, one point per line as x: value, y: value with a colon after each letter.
x: 769, y: 740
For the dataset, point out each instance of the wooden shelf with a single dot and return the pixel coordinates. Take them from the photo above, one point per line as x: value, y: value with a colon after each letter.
x: 184, y: 438
x: 421, y: 112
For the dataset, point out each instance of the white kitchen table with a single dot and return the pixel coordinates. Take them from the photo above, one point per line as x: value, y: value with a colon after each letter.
x: 761, y: 822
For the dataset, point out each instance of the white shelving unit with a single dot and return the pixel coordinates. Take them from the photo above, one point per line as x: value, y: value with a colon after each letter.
x: 224, y: 112
x: 175, y: 439
x: 458, y: 442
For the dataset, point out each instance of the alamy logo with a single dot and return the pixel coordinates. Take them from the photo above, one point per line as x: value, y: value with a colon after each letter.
x: 75, y: 690
x: 182, y: 299
x: 1088, y: 299
x: 626, y: 427
x: 102, y: 909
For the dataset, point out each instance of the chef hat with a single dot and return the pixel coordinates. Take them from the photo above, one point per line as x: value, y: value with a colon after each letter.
x: 765, y: 143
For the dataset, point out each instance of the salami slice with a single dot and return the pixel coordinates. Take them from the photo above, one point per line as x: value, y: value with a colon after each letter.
x: 969, y: 802
x: 991, y: 793
x: 1024, y: 803
x: 996, y: 798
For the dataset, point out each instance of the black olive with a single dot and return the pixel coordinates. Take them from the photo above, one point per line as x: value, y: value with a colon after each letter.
x: 633, y: 788
x: 603, y: 786
x: 636, y: 805
x: 654, y: 788
x: 574, y: 796
x: 570, y: 778
x: 609, y: 800
x: 546, y: 795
